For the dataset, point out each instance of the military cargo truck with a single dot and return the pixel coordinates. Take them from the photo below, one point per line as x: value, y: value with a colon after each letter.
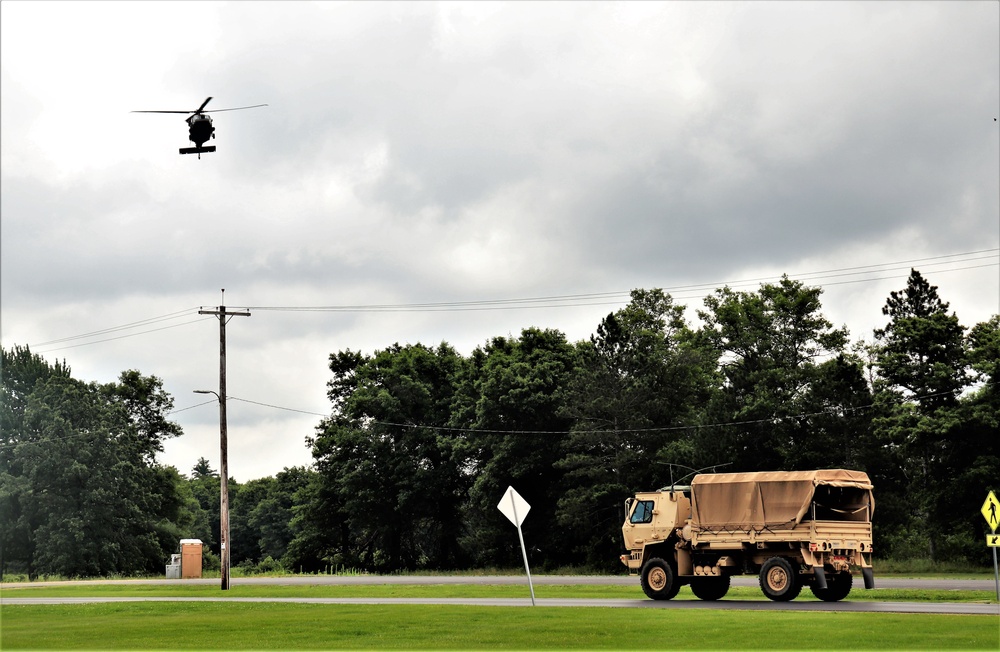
x: 792, y: 529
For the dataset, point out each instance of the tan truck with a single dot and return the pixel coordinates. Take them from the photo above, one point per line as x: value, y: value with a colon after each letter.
x: 791, y: 528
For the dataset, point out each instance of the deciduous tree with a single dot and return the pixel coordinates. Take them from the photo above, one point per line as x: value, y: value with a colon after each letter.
x: 508, y: 399
x: 771, y: 344
x: 640, y: 382
x: 386, y: 460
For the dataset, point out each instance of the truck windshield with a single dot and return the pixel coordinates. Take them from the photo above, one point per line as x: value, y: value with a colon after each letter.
x: 643, y: 512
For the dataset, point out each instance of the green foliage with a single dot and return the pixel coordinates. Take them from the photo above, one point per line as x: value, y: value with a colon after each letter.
x: 766, y: 383
x: 769, y: 345
x: 267, y: 566
x: 203, y: 470
x: 637, y: 382
x: 421, y: 442
x: 20, y: 372
x: 205, y: 490
x: 261, y: 515
x: 82, y: 493
x: 389, y: 471
x: 506, y: 405
x: 922, y: 349
x: 945, y: 448
x: 210, y: 562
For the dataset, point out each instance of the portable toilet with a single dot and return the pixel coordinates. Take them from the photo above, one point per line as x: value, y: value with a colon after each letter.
x: 190, y: 558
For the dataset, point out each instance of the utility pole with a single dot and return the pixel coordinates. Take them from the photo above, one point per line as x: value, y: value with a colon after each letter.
x: 222, y: 314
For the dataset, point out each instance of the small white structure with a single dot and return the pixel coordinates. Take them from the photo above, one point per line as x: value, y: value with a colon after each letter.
x: 174, y: 567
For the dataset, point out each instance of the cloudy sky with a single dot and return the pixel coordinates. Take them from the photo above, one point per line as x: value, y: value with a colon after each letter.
x: 522, y: 164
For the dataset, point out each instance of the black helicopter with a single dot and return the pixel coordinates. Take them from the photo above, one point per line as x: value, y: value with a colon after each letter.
x: 200, y: 127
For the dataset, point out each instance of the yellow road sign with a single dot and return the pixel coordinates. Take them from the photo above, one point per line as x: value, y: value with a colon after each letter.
x: 993, y: 540
x: 991, y: 511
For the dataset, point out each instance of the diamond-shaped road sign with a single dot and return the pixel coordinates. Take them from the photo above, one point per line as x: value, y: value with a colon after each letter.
x: 513, y: 506
x: 516, y: 508
x: 991, y: 511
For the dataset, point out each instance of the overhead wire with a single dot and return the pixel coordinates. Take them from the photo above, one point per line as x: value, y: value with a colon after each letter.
x: 191, y: 407
x: 775, y: 419
x: 105, y: 331
x: 276, y: 407
x: 617, y: 297
x: 837, y: 273
x: 119, y: 337
x: 822, y: 278
x: 490, y: 431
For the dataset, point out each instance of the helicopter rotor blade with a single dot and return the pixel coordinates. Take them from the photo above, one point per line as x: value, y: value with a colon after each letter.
x: 238, y: 108
x: 201, y: 109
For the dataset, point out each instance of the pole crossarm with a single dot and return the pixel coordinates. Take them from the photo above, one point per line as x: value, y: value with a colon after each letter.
x: 223, y: 313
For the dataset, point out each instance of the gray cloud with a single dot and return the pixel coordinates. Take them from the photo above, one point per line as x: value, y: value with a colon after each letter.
x: 466, y: 151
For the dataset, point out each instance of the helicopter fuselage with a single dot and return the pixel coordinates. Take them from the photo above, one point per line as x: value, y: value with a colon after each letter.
x: 200, y: 129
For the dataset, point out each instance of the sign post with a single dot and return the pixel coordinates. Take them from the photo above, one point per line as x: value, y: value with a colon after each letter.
x: 515, y: 508
x: 991, y: 512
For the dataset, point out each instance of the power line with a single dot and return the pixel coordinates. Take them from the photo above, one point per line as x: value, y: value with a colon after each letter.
x: 839, y: 411
x: 191, y: 407
x: 618, y: 297
x: 277, y: 407
x: 823, y: 277
x: 120, y: 337
x: 136, y: 324
x: 846, y: 272
x: 486, y: 431
x: 776, y: 419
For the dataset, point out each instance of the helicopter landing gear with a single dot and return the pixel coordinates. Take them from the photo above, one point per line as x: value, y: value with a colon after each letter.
x: 197, y: 150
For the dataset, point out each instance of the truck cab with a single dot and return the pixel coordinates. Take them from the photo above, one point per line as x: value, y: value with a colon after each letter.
x: 651, y: 518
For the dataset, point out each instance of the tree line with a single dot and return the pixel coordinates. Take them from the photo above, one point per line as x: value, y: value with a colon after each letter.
x: 421, y: 441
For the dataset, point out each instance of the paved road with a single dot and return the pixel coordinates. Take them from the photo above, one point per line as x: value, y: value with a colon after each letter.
x: 738, y: 605
x: 742, y: 605
x: 606, y: 580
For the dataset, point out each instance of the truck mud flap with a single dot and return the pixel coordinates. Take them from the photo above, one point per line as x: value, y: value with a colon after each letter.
x: 820, y: 577
x: 869, y: 577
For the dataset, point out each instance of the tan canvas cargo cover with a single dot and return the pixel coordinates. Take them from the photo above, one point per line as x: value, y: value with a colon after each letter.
x: 767, y: 499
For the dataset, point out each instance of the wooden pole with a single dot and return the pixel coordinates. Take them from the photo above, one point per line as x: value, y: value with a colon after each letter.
x: 224, y: 547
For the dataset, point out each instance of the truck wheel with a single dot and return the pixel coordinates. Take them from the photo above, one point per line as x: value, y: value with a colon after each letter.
x: 710, y: 588
x: 778, y: 580
x: 838, y: 585
x: 658, y: 581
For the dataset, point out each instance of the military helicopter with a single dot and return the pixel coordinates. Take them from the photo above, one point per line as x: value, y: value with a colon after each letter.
x: 200, y: 127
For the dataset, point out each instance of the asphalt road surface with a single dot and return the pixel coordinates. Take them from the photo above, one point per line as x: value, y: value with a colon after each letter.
x: 744, y: 605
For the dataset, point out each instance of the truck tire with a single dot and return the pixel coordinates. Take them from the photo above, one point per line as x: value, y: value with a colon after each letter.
x: 779, y: 581
x: 838, y: 585
x: 710, y: 588
x: 658, y: 580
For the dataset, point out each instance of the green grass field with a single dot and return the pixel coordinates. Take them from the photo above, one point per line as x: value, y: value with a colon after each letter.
x: 218, y: 625
x: 243, y: 626
x: 611, y: 592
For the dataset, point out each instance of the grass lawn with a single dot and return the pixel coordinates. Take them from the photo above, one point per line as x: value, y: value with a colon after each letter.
x: 204, y: 626
x: 217, y: 625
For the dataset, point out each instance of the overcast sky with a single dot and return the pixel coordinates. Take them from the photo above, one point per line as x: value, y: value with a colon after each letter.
x: 470, y: 152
